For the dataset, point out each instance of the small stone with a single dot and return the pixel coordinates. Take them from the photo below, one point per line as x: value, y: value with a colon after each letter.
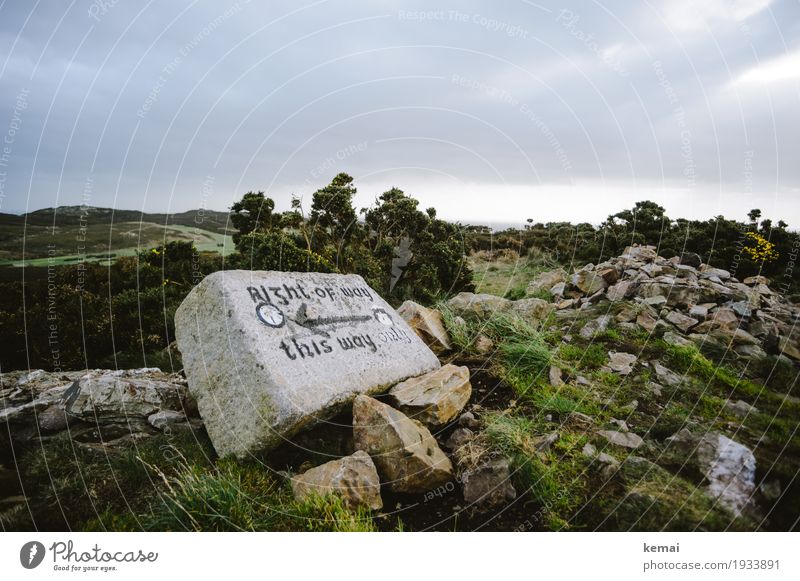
x: 354, y: 478
x: 487, y: 485
x: 754, y: 280
x: 742, y: 308
x: 595, y: 326
x: 467, y: 420
x: 666, y: 376
x: 162, y: 419
x: 53, y: 419
x: 728, y: 468
x: 621, y: 424
x: 681, y: 321
x: 656, y: 301
x: 547, y: 280
x: 405, y: 453
x: 427, y: 323
x: 459, y: 437
x: 532, y: 309
x: 555, y: 376
x: 622, y: 439
x: 698, y: 312
x: 479, y: 305
x: 621, y: 363
x: 558, y: 289
x: 740, y: 408
x: 434, y: 398
x: 483, y: 344
x: 588, y: 282
x: 675, y: 339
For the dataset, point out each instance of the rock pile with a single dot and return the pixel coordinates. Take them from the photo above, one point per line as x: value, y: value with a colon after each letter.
x: 681, y: 298
x: 100, y: 407
x: 398, y: 450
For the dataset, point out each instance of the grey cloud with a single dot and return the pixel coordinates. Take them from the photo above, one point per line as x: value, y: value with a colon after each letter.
x: 507, y: 99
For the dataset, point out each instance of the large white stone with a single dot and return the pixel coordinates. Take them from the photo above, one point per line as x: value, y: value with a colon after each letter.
x: 269, y: 353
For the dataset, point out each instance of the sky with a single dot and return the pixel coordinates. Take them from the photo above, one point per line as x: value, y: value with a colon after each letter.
x: 492, y: 112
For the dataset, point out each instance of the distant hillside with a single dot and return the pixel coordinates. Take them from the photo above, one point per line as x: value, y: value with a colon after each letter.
x: 71, y: 215
x: 71, y: 233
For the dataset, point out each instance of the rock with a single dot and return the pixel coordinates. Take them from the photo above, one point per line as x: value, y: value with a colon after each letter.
x: 459, y: 437
x: 53, y: 419
x: 677, y: 295
x: 565, y: 304
x: 642, y: 253
x: 647, y: 321
x: 268, y: 354
x: 555, y: 376
x: 621, y: 363
x: 532, y: 309
x: 547, y: 280
x: 675, y: 339
x: 483, y: 344
x: 404, y: 451
x: 626, y: 314
x: 622, y: 425
x: 709, y: 271
x: 487, y: 485
x: 727, y: 466
x: 740, y: 408
x: 681, y: 321
x: 595, y: 326
x: 733, y: 337
x: 686, y: 272
x: 163, y: 419
x: 724, y: 317
x: 427, y: 323
x: 480, y: 305
x: 691, y: 259
x: 434, y: 398
x: 698, y: 312
x: 789, y: 348
x: 750, y: 351
x: 620, y: 291
x: 354, y: 478
x: 754, y: 280
x: 666, y: 376
x: 558, y: 289
x: 467, y: 420
x: 622, y: 439
x: 656, y: 301
x: 742, y: 308
x: 588, y: 282
x: 608, y: 274
x: 110, y: 397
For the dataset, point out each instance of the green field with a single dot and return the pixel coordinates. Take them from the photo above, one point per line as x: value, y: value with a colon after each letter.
x: 46, y: 245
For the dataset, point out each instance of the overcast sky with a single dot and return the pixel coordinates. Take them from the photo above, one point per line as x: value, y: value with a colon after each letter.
x: 489, y: 111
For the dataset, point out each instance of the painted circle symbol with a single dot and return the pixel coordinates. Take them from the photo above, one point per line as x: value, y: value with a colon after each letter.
x: 270, y: 315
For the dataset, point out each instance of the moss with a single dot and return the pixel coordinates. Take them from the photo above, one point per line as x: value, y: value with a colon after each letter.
x: 652, y: 499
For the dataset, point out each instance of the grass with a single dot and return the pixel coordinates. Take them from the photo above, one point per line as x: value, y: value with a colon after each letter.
x: 166, y: 483
x: 554, y: 479
x: 100, y: 241
x: 234, y: 496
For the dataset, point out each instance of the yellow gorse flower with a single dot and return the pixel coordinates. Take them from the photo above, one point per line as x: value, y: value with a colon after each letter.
x: 759, y: 249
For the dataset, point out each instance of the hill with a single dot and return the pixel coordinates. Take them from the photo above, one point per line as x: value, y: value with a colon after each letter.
x: 71, y: 233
